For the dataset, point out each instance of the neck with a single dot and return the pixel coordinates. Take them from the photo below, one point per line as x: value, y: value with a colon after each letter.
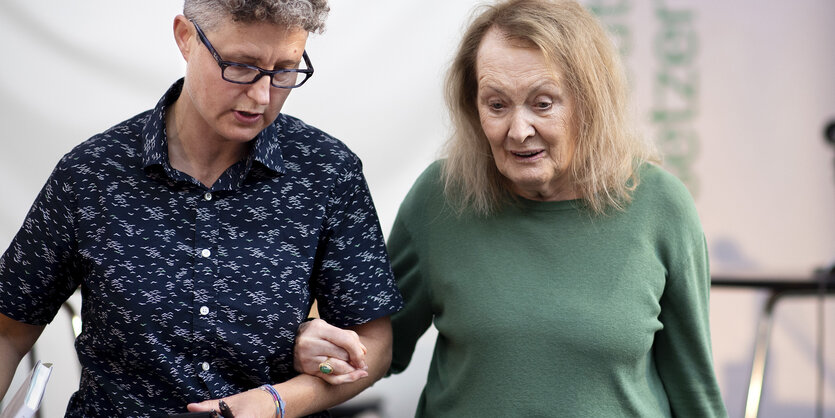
x: 203, y: 157
x: 548, y: 193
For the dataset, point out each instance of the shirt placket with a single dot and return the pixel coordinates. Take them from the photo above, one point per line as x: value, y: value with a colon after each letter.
x: 205, y: 274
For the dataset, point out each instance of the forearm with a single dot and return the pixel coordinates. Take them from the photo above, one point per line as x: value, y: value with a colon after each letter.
x: 16, y: 339
x: 305, y: 394
x: 8, y: 364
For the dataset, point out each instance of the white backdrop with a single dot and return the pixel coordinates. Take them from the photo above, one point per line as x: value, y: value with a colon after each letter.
x: 736, y: 92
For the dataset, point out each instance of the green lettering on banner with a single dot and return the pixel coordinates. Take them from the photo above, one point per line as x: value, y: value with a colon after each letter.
x: 611, y: 13
x: 603, y: 8
x: 622, y: 38
x: 683, y: 145
x: 675, y: 92
x: 674, y: 83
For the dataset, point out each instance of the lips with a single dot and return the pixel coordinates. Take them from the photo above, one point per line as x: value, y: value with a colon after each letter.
x: 247, y: 117
x: 527, y: 154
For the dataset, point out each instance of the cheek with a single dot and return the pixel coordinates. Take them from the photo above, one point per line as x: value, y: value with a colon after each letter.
x: 277, y: 99
x: 492, y: 129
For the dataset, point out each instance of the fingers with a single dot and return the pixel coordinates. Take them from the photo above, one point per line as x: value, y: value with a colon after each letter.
x: 350, y: 342
x: 337, y: 366
x: 316, y: 346
x: 309, y: 354
x: 317, y: 338
x: 334, y: 379
x: 205, y: 406
x: 251, y: 403
x: 347, y: 340
x: 340, y: 372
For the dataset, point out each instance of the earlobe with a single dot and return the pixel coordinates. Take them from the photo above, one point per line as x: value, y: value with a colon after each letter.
x: 183, y: 35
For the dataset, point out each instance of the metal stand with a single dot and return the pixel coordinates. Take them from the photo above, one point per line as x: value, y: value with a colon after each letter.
x: 778, y: 289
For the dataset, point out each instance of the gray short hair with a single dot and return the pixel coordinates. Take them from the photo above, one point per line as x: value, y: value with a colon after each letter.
x: 309, y: 15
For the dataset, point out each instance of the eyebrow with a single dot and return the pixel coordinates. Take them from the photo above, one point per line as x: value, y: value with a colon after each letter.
x: 251, y: 60
x: 536, y: 86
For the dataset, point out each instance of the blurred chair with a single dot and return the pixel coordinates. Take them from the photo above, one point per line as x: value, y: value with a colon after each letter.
x: 366, y: 408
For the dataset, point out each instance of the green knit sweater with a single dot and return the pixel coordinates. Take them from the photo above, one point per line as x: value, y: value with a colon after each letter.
x: 544, y: 310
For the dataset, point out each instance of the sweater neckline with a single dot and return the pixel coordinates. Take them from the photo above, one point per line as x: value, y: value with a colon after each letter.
x: 559, y: 205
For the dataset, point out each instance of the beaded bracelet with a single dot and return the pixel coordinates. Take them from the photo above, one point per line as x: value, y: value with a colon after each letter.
x: 279, y: 403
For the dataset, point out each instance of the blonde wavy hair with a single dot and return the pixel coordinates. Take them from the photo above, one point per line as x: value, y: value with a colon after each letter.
x: 608, y: 148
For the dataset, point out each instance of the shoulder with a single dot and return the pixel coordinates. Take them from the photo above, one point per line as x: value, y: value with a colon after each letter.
x: 658, y: 184
x: 118, y: 141
x: 663, y: 197
x: 117, y: 146
x: 427, y: 193
x: 430, y: 178
x: 429, y: 184
x: 302, y: 143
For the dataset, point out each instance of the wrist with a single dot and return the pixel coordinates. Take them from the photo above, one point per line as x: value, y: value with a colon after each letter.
x: 275, y: 397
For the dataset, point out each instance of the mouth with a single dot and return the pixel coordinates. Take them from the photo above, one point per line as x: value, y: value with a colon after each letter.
x: 527, y: 155
x: 247, y: 117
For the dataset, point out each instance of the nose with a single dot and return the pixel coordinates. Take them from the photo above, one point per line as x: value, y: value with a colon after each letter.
x: 260, y: 91
x: 521, y: 126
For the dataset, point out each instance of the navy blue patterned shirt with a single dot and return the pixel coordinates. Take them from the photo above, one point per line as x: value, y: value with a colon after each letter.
x: 192, y: 293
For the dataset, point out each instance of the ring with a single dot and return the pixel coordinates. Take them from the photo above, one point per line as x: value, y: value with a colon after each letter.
x: 325, y: 367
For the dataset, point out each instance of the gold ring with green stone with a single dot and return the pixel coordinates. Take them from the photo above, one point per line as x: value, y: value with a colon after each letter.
x: 325, y: 367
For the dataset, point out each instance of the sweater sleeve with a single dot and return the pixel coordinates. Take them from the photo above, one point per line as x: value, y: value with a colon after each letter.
x: 682, y: 348
x: 407, y: 245
x: 414, y: 319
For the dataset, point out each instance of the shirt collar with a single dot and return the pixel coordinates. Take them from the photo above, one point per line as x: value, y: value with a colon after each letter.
x: 265, y: 150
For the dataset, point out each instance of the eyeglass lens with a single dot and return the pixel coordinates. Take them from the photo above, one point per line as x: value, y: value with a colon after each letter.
x: 243, y: 74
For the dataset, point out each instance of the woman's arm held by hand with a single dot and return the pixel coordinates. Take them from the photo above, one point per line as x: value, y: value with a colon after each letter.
x: 306, y: 394
x: 318, y: 342
x: 368, y: 345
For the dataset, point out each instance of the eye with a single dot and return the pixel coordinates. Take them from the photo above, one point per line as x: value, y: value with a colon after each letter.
x: 543, y: 104
x: 495, y: 106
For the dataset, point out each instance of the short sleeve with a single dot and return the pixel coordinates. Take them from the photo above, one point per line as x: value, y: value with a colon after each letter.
x: 39, y: 270
x: 353, y: 281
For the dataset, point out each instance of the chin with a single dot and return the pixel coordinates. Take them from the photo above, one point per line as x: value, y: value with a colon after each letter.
x: 241, y: 135
x: 529, y: 179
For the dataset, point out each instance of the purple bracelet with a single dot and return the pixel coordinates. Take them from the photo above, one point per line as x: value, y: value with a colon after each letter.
x: 279, y: 403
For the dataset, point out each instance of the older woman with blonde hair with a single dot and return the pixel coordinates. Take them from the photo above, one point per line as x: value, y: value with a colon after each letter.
x: 565, y: 272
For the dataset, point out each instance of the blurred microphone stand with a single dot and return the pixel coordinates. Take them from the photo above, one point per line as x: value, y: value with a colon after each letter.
x: 824, y: 275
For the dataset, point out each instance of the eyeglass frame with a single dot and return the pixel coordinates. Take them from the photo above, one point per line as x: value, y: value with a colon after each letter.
x: 223, y: 64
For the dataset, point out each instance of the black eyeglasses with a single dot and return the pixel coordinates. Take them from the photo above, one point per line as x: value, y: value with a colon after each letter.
x: 235, y: 72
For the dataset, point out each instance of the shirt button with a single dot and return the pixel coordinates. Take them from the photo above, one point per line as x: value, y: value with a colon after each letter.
x: 206, y: 253
x: 204, y: 310
x: 205, y: 366
x: 207, y: 196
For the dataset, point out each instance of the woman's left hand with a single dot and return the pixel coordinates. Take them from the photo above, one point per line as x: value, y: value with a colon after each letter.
x: 319, y: 343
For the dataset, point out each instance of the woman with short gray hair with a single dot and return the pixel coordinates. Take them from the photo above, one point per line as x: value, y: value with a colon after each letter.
x: 197, y: 240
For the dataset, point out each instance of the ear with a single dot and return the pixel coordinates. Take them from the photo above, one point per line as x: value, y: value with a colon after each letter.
x: 184, y: 35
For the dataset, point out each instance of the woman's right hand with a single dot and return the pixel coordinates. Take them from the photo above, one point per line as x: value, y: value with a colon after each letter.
x: 318, y: 342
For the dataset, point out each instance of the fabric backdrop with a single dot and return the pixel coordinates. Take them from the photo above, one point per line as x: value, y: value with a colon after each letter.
x: 735, y: 92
